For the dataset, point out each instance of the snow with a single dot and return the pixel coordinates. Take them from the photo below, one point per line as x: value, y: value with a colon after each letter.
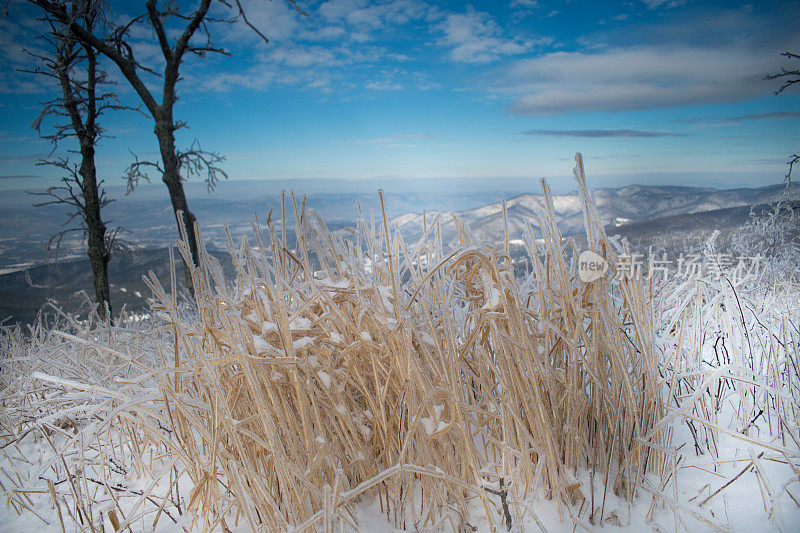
x: 432, y: 426
x: 302, y: 342
x: 729, y: 467
x: 492, y: 294
x: 325, y: 378
x: 300, y: 323
x: 328, y: 283
x: 429, y: 424
x: 494, y: 299
x: 260, y: 345
x: 760, y: 499
x: 427, y: 338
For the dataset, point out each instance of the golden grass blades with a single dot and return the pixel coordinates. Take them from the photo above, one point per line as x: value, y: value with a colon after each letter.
x: 331, y: 364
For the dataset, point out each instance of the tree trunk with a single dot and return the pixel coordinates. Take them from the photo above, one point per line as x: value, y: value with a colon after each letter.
x: 165, y: 132
x: 98, y: 251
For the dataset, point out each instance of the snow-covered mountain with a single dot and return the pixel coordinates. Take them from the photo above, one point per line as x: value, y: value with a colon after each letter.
x: 615, y: 206
x: 677, y: 217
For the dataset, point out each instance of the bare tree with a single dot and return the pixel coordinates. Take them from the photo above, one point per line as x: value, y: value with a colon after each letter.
x: 789, y: 77
x: 179, y: 33
x: 73, y: 65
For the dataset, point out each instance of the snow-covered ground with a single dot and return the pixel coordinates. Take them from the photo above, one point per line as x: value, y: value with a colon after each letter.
x: 64, y: 386
x: 151, y: 424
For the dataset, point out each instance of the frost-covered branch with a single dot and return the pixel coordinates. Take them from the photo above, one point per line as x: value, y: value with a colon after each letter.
x: 197, y: 162
x: 790, y: 76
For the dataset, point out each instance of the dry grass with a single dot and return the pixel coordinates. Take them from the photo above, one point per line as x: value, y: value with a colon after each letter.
x: 426, y: 377
x: 313, y: 380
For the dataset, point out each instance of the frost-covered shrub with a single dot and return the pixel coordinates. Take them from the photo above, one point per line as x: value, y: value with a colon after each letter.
x: 773, y: 234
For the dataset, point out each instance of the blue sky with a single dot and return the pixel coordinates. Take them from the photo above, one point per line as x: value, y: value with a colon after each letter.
x: 652, y: 91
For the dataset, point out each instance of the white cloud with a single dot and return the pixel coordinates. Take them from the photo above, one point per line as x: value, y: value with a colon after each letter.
x: 298, y: 56
x: 406, y: 140
x: 525, y: 8
x: 653, y: 4
x: 637, y: 78
x: 306, y: 65
x: 368, y: 17
x: 337, y: 10
x: 399, y: 137
x: 332, y: 45
x: 383, y: 86
x: 475, y: 38
x: 15, y: 38
x: 326, y: 33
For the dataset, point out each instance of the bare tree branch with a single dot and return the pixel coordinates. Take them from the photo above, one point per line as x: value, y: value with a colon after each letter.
x: 197, y: 162
x: 247, y: 22
x: 78, y: 96
x: 792, y: 75
x: 192, y: 162
x: 155, y: 21
x: 795, y: 158
x: 70, y: 194
x: 137, y: 172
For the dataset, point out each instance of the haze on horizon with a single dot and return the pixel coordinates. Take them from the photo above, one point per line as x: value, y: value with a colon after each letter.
x: 652, y: 92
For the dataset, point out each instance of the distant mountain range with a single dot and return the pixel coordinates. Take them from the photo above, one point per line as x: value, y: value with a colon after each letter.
x: 670, y: 218
x: 616, y: 207
x: 148, y: 221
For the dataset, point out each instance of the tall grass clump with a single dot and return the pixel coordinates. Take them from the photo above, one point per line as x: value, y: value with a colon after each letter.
x: 78, y: 399
x: 422, y: 375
